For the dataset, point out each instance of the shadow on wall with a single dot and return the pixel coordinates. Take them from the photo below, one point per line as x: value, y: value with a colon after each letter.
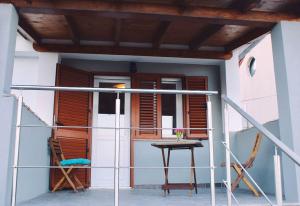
x: 263, y: 169
x: 33, y: 182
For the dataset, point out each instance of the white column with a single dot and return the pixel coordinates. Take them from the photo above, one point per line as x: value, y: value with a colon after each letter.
x: 8, y: 33
x: 286, y: 47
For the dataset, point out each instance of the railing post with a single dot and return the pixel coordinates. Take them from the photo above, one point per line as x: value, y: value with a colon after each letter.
x: 16, y: 152
x: 227, y: 142
x: 277, y: 173
x: 117, y: 152
x: 211, y: 152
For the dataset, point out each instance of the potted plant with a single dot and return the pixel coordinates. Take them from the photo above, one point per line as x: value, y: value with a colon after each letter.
x: 179, y: 134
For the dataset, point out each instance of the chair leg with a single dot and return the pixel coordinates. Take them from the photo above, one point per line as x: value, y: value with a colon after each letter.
x: 65, y: 178
x: 69, y: 179
x: 194, y: 170
x: 246, y: 181
x: 237, y: 180
x: 60, y: 182
x: 78, y: 182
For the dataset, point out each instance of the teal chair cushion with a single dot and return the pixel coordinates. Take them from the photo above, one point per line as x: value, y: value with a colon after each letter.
x: 78, y: 161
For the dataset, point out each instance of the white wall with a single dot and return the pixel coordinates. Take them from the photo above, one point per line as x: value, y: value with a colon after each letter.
x: 46, y: 76
x: 33, y: 68
x: 259, y: 92
x: 230, y: 86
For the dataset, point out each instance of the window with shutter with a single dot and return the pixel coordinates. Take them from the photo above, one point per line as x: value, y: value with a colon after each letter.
x: 146, y: 108
x: 195, y: 108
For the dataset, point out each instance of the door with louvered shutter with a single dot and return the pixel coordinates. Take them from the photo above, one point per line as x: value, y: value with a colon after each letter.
x: 73, y: 109
x: 196, y: 108
x: 146, y: 108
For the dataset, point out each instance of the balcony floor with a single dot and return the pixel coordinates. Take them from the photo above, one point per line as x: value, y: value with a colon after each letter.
x: 144, y: 197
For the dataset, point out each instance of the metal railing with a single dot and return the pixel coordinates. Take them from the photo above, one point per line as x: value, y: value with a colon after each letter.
x: 117, y: 129
x: 275, y: 140
x: 228, y: 102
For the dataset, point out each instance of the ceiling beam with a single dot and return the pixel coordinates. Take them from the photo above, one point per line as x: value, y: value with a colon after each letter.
x: 293, y: 7
x: 160, y: 33
x: 182, y: 5
x: 159, y: 11
x: 134, y: 51
x: 204, y: 35
x: 245, y: 5
x: 117, y: 31
x: 73, y: 29
x: 246, y: 38
x: 26, y: 29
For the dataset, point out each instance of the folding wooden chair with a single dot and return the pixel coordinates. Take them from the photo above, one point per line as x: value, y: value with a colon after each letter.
x: 68, y: 173
x: 249, y: 163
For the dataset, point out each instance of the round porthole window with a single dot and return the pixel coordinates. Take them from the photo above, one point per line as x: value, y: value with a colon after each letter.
x: 252, y: 66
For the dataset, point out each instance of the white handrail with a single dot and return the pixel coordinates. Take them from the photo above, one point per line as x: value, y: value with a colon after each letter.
x: 112, y: 90
x: 290, y: 153
x: 16, y: 153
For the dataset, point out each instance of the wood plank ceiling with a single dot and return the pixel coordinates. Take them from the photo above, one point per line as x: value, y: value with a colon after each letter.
x: 171, y: 28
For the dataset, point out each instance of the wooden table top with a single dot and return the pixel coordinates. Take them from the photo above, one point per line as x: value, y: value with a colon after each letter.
x: 183, y: 144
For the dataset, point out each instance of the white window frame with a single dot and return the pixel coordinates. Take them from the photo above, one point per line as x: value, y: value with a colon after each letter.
x: 179, y: 104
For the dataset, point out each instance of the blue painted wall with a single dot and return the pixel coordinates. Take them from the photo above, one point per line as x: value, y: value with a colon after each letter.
x: 33, y: 151
x: 263, y: 169
x: 148, y: 156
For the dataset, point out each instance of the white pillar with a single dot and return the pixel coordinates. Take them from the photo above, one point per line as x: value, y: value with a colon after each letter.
x: 286, y: 47
x: 8, y: 33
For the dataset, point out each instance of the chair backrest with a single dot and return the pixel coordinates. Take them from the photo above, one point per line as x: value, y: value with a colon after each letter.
x: 254, y: 151
x: 56, y: 150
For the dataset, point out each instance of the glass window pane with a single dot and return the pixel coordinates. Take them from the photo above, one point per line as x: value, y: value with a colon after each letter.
x: 107, y: 101
x: 168, y: 109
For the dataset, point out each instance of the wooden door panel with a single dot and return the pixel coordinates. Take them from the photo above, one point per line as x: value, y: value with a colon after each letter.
x: 73, y: 109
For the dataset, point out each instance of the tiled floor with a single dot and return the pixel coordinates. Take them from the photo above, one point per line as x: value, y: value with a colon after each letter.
x: 142, y: 197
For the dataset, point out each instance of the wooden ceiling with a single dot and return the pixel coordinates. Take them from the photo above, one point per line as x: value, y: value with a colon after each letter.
x: 171, y: 28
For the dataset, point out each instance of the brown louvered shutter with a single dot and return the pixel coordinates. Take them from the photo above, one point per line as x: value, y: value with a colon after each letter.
x: 146, y: 108
x: 196, y: 108
x: 73, y: 109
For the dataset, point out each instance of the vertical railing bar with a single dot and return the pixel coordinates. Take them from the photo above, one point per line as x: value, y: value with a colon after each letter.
x: 278, y: 182
x: 227, y: 187
x: 211, y: 153
x: 247, y: 173
x: 16, y: 152
x: 117, y: 152
x: 227, y: 142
